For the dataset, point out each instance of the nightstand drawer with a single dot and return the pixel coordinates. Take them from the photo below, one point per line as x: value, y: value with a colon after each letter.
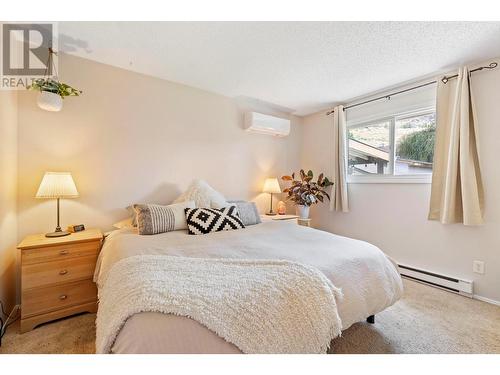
x: 41, y: 300
x: 43, y: 254
x: 42, y: 274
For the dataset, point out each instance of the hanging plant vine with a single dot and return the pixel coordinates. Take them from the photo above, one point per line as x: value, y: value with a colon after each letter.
x: 49, y: 84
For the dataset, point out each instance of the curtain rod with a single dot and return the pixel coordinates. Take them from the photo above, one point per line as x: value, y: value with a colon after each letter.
x: 445, y: 79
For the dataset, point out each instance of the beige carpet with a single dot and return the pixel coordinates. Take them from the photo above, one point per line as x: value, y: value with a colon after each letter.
x: 426, y: 320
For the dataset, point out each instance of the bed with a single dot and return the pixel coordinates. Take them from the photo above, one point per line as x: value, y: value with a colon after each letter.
x: 369, y: 280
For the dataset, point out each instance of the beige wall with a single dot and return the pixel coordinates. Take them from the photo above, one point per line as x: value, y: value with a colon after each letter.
x: 393, y: 216
x: 8, y: 196
x: 133, y: 138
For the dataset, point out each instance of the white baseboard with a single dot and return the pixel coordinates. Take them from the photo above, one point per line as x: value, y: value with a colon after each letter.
x: 484, y: 299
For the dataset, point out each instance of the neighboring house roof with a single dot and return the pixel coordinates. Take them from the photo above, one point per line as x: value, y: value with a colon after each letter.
x: 364, y: 152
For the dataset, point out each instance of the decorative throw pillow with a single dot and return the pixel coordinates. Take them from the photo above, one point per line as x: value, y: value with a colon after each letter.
x: 207, y: 220
x: 154, y: 219
x: 249, y: 214
x: 203, y: 195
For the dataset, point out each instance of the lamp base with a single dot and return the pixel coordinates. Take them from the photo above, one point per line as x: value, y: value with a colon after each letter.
x: 57, y: 234
x: 271, y: 213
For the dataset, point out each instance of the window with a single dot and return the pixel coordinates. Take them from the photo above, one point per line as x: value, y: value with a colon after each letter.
x: 398, y: 147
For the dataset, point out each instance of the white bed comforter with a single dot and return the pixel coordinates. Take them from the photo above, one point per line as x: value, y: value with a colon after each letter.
x: 369, y: 280
x: 261, y: 306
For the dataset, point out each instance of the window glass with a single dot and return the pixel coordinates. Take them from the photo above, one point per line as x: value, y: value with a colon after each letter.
x: 369, y: 149
x: 414, y: 144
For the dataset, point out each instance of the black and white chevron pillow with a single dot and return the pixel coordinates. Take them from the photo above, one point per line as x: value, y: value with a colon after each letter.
x: 207, y: 220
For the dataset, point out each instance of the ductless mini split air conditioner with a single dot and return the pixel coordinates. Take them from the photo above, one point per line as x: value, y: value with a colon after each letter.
x: 265, y: 124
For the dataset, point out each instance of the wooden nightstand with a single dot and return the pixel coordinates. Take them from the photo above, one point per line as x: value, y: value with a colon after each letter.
x: 56, y: 276
x: 304, y: 222
x: 287, y: 218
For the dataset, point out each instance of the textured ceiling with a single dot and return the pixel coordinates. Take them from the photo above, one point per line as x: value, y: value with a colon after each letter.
x: 302, y: 66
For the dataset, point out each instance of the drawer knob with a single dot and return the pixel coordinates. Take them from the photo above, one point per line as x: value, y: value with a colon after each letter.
x: 63, y: 272
x: 62, y: 297
x: 63, y: 252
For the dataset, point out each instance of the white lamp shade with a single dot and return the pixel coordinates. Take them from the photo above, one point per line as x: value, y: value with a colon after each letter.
x: 271, y: 185
x: 57, y: 185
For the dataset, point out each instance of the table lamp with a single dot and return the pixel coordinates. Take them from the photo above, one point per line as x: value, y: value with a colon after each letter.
x: 272, y: 186
x: 57, y: 185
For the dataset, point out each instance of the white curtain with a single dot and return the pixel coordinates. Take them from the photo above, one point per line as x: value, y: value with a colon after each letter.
x: 457, y: 189
x: 339, y: 201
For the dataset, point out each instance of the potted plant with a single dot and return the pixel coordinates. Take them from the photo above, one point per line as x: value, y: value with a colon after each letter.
x: 52, y: 93
x: 306, y: 192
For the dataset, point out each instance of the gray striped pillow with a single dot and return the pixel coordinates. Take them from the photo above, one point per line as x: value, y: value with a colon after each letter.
x: 154, y: 218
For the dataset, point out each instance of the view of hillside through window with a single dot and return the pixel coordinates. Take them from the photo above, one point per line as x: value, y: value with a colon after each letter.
x: 415, y: 144
x: 371, y: 148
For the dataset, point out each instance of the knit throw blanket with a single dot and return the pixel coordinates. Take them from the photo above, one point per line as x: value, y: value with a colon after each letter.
x: 261, y: 306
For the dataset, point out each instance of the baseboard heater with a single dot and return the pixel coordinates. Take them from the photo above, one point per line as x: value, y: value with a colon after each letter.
x: 452, y: 284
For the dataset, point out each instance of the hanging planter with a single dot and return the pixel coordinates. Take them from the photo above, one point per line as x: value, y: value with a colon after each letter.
x: 49, y: 101
x: 52, y: 92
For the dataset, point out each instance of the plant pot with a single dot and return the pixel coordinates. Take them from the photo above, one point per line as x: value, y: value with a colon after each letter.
x: 49, y: 101
x: 303, y: 211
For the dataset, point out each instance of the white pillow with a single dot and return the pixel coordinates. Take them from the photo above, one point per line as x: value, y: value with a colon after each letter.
x: 203, y: 195
x: 125, y: 223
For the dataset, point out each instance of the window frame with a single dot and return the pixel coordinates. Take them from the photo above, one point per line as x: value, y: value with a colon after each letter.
x: 390, y: 178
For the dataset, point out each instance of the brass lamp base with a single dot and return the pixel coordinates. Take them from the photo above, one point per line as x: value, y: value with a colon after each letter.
x: 59, y: 233
x: 271, y: 212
